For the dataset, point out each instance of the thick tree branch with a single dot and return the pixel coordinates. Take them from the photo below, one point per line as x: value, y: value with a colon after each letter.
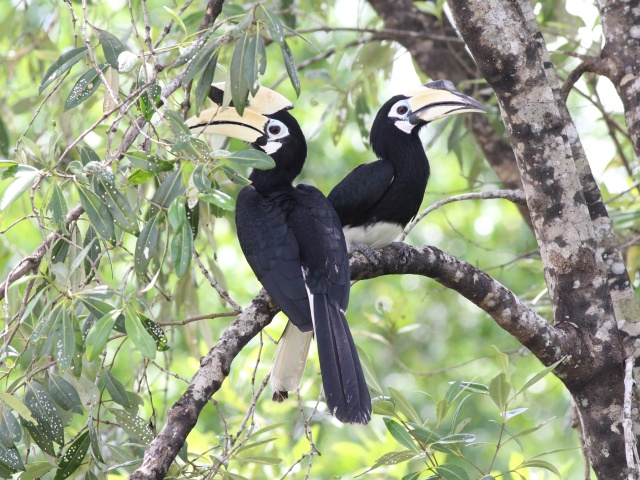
x: 545, y: 341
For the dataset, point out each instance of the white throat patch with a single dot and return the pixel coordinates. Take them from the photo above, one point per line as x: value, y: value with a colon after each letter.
x: 271, y: 147
x: 404, y: 125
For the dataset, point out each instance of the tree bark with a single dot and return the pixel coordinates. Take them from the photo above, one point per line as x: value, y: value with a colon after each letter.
x: 510, y: 52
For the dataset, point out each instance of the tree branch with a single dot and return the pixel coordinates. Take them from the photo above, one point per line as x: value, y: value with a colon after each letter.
x: 545, y: 341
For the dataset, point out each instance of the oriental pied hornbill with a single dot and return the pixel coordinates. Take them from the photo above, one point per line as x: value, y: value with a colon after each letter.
x: 377, y: 200
x: 293, y: 241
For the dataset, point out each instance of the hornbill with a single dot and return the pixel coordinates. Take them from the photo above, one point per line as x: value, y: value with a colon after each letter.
x: 377, y: 200
x: 293, y: 240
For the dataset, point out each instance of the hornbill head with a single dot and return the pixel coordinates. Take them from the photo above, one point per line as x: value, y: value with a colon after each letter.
x: 416, y: 107
x: 265, y: 123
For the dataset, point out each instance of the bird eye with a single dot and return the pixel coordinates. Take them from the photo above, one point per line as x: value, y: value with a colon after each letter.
x: 274, y: 129
x: 402, y: 109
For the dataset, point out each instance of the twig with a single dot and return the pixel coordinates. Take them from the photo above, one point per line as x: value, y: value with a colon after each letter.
x: 515, y: 196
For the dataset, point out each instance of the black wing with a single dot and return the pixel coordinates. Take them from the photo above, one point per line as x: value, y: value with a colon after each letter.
x: 360, y: 190
x: 272, y: 252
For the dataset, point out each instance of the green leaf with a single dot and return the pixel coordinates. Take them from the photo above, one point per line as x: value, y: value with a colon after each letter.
x: 503, y: 360
x: 177, y: 214
x: 88, y: 155
x: 398, y: 432
x: 276, y: 30
x: 139, y: 176
x: 412, y: 476
x: 156, y: 332
x: 177, y: 18
x: 219, y: 199
x: 138, y: 333
x: 99, y: 334
x: 499, y: 390
x: 93, y: 255
x: 513, y: 413
x: 234, y: 176
x: 61, y: 65
x: 404, y: 406
x: 57, y: 208
x: 8, y: 163
x: 199, y: 61
x: 177, y: 123
x: 136, y: 427
x: 73, y: 457
x: 393, y: 458
x: 98, y: 212
x: 452, y: 472
x: 251, y: 158
x: 529, y: 431
x: 64, y: 340
x: 423, y: 434
x: 457, y: 438
x: 17, y: 406
x: 145, y: 245
x: 63, y: 393
x: 24, y: 179
x: 369, y: 372
x: 149, y: 163
x: 168, y: 190
x: 10, y: 431
x: 243, y: 73
x: 85, y: 86
x: 115, y: 388
x: 118, y: 205
x: 38, y: 436
x: 94, y: 438
x: 200, y: 178
x: 149, y: 101
x: 539, y: 376
x: 203, y: 86
x: 475, y: 387
x: 112, y: 47
x: 442, y: 408
x: 11, y: 458
x: 259, y: 460
x: 46, y: 413
x: 4, y: 140
x: 181, y: 248
x: 541, y: 464
x: 36, y: 470
x: 292, y: 71
x: 383, y: 407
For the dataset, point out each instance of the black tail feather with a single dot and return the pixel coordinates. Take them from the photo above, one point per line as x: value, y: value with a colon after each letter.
x: 342, y: 376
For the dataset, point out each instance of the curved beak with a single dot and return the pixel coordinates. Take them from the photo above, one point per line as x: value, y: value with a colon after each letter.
x: 224, y: 120
x: 439, y: 99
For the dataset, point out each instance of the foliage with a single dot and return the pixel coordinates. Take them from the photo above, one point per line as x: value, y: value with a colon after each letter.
x: 99, y: 341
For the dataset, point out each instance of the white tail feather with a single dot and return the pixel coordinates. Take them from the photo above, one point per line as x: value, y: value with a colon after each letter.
x: 291, y: 357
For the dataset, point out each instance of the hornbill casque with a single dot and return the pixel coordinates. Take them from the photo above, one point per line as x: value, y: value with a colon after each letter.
x: 377, y: 200
x: 293, y: 240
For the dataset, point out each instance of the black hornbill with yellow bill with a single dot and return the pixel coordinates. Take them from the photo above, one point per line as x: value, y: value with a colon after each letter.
x: 293, y: 240
x: 377, y: 200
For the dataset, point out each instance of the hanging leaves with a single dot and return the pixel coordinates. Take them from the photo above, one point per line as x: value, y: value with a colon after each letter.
x: 73, y: 457
x: 85, y: 86
x: 62, y: 65
x: 112, y: 47
x: 98, y: 212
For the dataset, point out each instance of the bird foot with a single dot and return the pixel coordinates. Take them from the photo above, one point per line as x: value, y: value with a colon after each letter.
x: 368, y: 252
x: 404, y: 250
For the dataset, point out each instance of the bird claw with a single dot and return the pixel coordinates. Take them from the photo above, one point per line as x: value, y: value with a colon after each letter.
x: 368, y: 252
x: 280, y: 397
x: 404, y: 251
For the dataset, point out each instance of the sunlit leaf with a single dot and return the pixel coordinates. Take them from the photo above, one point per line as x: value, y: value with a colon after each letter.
x: 512, y: 413
x: 251, y: 158
x: 168, y: 190
x: 219, y: 199
x: 36, y: 470
x: 156, y: 332
x: 200, y: 177
x: 452, y: 472
x: 539, y: 376
x: 199, y: 61
x: 57, y: 208
x: 99, y: 334
x: 276, y: 30
x: 541, y: 464
x: 475, y: 387
x: 24, y: 179
x: 292, y: 71
x: 177, y: 18
x: 398, y: 432
x: 10, y: 431
x: 499, y: 390
x: 259, y: 460
x: 85, y: 86
x: 17, y: 406
x: 62, y: 65
x: 243, y: 71
x: 138, y: 333
x: 234, y: 176
x: 457, y: 438
x: 404, y: 406
x: 11, y: 457
x: 149, y: 163
x: 135, y: 426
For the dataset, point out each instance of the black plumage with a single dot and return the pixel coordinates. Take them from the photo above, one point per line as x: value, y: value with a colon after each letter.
x: 377, y: 200
x: 293, y: 240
